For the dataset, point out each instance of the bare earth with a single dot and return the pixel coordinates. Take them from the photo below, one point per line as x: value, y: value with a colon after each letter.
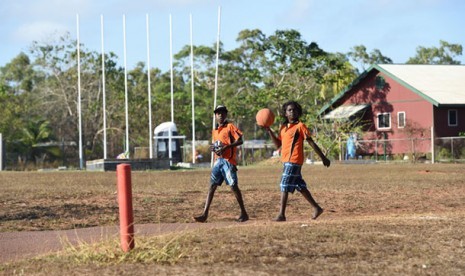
x: 383, y: 219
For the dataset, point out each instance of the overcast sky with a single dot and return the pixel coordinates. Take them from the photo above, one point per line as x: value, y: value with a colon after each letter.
x: 395, y: 27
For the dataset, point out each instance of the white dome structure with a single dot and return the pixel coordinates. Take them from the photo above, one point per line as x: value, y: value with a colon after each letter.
x: 165, y: 133
x: 165, y: 127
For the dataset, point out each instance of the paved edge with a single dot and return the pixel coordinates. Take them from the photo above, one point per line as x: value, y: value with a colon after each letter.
x: 15, y: 246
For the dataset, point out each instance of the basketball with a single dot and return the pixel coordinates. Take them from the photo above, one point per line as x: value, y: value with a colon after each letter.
x: 265, y: 117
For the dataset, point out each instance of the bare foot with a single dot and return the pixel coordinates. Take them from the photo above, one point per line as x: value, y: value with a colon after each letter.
x: 318, y: 211
x: 202, y: 218
x: 243, y: 218
x: 280, y: 218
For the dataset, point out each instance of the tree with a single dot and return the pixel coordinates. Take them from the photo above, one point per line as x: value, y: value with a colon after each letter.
x: 291, y: 67
x: 445, y: 54
x: 267, y: 71
x: 264, y: 71
x: 36, y: 140
x: 285, y: 66
x: 338, y: 74
x: 18, y: 74
x: 204, y: 87
x: 242, y: 79
x: 11, y: 119
x: 412, y: 131
x: 17, y: 101
x: 360, y: 55
x: 56, y: 61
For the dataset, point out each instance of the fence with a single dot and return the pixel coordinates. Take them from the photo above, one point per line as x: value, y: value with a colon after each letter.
x: 450, y: 149
x: 446, y: 149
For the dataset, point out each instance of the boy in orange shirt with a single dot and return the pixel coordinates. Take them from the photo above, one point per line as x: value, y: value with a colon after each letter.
x: 227, y: 137
x: 291, y: 137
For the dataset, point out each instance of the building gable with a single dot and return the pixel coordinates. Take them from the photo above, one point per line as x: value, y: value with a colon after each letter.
x: 440, y: 85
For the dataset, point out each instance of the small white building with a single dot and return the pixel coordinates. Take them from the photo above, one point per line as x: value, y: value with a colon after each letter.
x: 163, y: 134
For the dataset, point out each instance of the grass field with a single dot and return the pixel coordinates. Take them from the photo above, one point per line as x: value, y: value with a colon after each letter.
x: 379, y: 219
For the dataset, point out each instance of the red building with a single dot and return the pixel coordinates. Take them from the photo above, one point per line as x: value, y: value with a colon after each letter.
x: 402, y: 103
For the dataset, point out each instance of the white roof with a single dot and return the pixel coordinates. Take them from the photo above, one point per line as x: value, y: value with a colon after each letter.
x: 165, y: 127
x: 344, y: 111
x: 444, y: 84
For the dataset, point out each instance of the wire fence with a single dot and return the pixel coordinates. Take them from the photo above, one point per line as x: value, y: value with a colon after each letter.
x: 444, y: 149
x: 450, y: 149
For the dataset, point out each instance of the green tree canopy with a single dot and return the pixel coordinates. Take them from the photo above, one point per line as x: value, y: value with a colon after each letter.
x: 263, y: 71
x: 444, y: 54
x: 364, y: 59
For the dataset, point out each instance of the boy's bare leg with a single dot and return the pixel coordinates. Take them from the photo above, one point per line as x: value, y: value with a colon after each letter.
x: 203, y: 217
x: 282, y: 211
x: 237, y: 192
x: 317, y: 209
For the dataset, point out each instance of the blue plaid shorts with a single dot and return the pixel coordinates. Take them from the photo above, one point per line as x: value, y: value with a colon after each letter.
x: 223, y: 171
x: 291, y: 179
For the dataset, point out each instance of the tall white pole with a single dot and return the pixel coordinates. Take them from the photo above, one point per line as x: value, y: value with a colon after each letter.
x: 171, y: 69
x: 217, y: 60
x: 81, y: 159
x: 216, y: 72
x: 126, y: 87
x: 149, y: 89
x: 170, y: 154
x: 104, y: 93
x: 192, y: 89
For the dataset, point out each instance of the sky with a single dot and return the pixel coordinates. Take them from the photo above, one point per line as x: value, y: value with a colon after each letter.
x: 395, y: 27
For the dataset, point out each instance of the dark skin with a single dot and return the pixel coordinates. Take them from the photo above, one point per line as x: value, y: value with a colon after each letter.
x: 292, y: 116
x: 221, y: 119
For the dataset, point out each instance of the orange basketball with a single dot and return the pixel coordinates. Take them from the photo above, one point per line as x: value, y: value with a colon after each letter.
x: 264, y: 117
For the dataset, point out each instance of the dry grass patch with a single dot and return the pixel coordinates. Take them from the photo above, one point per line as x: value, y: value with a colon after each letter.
x: 389, y: 245
x: 381, y: 219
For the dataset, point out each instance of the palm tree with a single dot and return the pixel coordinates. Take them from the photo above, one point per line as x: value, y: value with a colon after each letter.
x: 37, y: 141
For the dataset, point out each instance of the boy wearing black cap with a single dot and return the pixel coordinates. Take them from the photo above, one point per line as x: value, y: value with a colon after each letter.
x: 226, y: 138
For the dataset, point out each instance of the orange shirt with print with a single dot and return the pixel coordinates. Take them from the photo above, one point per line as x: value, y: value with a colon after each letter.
x: 227, y: 134
x: 292, y: 138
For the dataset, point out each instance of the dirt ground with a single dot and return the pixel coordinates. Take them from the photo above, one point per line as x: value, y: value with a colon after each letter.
x: 80, y: 206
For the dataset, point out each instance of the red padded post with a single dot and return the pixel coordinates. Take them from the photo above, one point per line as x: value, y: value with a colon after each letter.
x: 126, y: 218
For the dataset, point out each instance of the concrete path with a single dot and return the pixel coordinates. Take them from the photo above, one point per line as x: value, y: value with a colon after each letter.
x: 19, y: 245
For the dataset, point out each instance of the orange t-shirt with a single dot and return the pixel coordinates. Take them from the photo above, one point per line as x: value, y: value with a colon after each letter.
x: 227, y: 134
x: 292, y: 138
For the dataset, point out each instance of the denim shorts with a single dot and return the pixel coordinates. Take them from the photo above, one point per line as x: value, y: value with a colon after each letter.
x: 291, y: 179
x: 223, y: 171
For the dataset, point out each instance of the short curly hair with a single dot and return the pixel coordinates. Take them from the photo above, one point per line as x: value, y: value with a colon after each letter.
x: 297, y: 106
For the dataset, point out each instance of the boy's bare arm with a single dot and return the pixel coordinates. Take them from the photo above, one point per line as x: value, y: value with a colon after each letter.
x: 273, y: 137
x: 318, y: 151
x: 236, y: 143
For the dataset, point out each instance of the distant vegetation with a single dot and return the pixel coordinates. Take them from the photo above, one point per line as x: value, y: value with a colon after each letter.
x: 39, y: 91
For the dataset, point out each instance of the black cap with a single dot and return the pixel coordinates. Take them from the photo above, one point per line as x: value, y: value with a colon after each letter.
x: 220, y: 108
